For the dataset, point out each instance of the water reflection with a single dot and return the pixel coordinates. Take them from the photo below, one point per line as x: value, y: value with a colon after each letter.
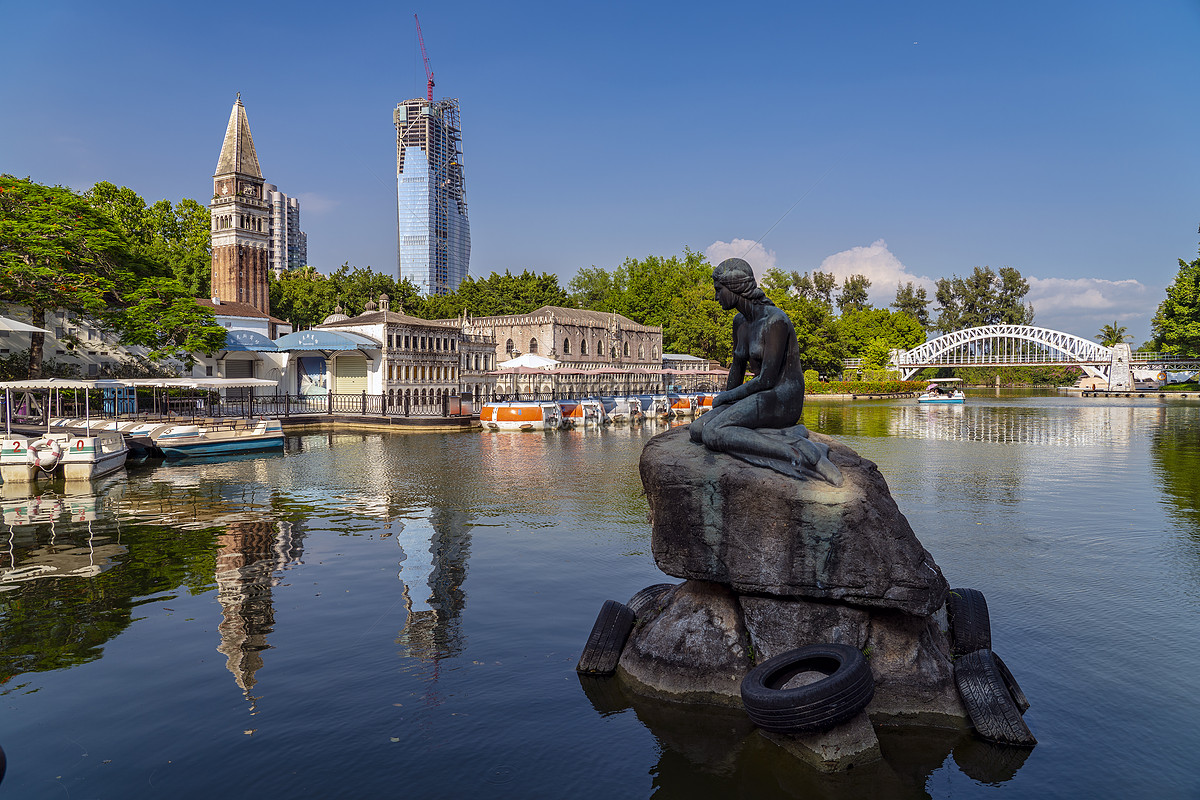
x: 433, y: 565
x: 1006, y: 423
x: 707, y: 751
x: 251, y: 557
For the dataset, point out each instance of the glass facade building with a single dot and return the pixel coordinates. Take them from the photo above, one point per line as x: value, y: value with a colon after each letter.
x: 434, y: 237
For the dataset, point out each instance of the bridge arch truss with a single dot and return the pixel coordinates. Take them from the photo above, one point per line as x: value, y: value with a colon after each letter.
x: 1006, y: 345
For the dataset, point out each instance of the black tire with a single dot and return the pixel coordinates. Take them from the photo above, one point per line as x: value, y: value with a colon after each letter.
x: 970, y: 627
x: 1010, y: 683
x: 819, y: 706
x: 992, y: 709
x: 607, y: 640
x: 649, y: 599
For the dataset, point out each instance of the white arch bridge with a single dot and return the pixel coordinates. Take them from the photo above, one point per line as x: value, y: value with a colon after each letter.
x: 1027, y: 346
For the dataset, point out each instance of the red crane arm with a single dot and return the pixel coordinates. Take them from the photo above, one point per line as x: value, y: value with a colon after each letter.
x: 428, y: 69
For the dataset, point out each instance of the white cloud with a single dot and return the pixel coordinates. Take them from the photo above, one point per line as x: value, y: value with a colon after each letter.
x: 880, y: 265
x: 1082, y: 305
x: 760, y: 258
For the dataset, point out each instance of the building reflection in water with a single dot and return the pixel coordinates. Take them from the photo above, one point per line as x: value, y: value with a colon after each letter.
x: 251, y: 557
x: 433, y: 566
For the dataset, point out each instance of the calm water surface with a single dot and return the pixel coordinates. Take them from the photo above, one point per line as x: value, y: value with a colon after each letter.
x: 375, y: 615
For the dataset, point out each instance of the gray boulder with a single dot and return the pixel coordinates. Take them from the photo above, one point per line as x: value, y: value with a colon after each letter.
x: 694, y: 651
x: 716, y: 518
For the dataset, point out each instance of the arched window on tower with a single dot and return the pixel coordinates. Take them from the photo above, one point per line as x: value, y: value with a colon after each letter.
x: 583, y: 347
x: 626, y: 351
x: 533, y: 345
x: 508, y: 347
x: 566, y: 347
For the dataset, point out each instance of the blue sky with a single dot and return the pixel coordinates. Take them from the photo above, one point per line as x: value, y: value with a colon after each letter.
x: 912, y: 140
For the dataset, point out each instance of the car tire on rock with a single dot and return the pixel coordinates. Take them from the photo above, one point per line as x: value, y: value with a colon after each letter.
x: 607, y: 639
x: 845, y: 689
x: 989, y: 703
x: 649, y: 599
x: 970, y: 627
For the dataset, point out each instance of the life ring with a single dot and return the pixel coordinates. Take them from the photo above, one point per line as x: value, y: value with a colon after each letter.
x: 44, y: 453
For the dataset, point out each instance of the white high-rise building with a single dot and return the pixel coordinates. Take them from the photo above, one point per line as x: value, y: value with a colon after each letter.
x: 289, y: 244
x: 434, y: 237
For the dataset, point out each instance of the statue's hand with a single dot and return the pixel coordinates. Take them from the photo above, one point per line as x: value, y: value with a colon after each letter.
x: 721, y: 400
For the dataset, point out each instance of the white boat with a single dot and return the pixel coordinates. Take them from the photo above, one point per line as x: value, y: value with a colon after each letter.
x: 584, y: 413
x: 518, y: 415
x: 622, y: 409
x: 219, y: 438
x: 24, y: 459
x: 943, y: 391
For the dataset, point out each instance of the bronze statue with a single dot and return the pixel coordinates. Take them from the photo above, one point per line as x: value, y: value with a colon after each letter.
x: 764, y: 342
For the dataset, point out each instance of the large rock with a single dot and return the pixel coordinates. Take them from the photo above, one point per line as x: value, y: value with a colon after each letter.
x: 694, y: 651
x: 717, y: 518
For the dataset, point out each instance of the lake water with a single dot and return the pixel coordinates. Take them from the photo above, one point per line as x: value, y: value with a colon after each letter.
x: 373, y: 615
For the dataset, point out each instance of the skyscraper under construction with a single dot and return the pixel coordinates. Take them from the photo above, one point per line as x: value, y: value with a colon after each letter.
x: 434, y: 235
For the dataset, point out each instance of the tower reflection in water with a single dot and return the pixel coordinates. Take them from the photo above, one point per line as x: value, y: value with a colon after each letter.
x: 251, y: 557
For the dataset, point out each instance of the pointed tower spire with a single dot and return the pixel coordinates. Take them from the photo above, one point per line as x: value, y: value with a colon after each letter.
x: 237, y: 151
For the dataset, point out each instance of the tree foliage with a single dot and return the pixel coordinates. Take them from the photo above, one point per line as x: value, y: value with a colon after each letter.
x: 853, y: 296
x: 1176, y: 325
x: 816, y: 329
x: 913, y: 301
x: 1110, y: 335
x: 59, y: 250
x: 984, y: 297
x: 497, y: 295
x: 857, y: 330
x: 163, y: 240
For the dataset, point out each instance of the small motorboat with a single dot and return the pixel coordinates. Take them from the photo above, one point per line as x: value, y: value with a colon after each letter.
x: 219, y: 438
x: 943, y: 391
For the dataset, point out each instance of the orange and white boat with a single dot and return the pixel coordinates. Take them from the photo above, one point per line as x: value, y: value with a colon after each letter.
x: 682, y: 405
x: 704, y: 403
x: 582, y: 413
x: 516, y: 415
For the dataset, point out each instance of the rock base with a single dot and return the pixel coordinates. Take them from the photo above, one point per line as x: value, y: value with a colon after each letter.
x: 850, y: 744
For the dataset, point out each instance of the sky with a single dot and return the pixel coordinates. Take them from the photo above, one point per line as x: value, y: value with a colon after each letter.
x: 906, y: 141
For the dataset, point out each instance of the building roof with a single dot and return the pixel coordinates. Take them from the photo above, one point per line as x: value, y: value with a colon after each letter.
x: 529, y: 360
x: 680, y: 357
x: 237, y: 151
x: 392, y: 318
x: 232, y: 308
x: 570, y: 316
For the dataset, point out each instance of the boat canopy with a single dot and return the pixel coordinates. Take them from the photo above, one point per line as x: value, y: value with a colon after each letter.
x: 63, y: 383
x: 328, y: 341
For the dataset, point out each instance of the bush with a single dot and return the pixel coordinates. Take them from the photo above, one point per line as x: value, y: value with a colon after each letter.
x: 864, y: 387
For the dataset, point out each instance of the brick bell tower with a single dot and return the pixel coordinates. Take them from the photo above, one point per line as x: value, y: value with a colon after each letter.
x: 240, y: 219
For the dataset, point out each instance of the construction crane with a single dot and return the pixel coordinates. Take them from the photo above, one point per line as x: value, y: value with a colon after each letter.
x: 428, y: 70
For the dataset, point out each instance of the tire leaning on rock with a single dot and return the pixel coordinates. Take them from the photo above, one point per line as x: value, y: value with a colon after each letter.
x: 845, y: 690
x: 607, y: 639
x: 649, y: 599
x: 970, y: 626
x: 990, y: 704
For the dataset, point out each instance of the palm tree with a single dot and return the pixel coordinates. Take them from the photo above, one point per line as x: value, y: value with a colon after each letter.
x: 1112, y: 334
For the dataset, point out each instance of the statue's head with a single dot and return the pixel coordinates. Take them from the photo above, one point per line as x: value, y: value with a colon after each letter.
x: 736, y: 275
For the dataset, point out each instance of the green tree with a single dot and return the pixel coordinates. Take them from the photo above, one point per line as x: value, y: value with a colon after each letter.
x: 163, y: 240
x: 877, y: 354
x: 1112, y: 334
x: 858, y: 329
x: 593, y: 288
x: 984, y: 297
x: 1176, y: 325
x: 816, y: 331
x: 912, y: 301
x: 853, y: 296
x: 57, y: 250
x: 699, y: 326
